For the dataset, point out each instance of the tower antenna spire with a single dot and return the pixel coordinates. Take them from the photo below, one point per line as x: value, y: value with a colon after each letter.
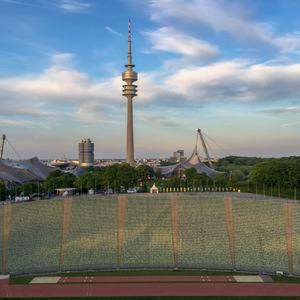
x: 129, y: 91
x: 129, y: 32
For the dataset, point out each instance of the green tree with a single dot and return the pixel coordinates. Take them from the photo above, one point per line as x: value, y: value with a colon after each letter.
x: 25, y: 189
x: 239, y: 175
x: 174, y: 182
x: 57, y: 179
x: 85, y: 182
x: 3, y: 192
x: 158, y: 173
x: 144, y: 188
x: 54, y: 174
x: 281, y: 172
x: 29, y: 188
x: 95, y: 169
x: 190, y: 173
x: 221, y: 179
x: 127, y: 176
x: 144, y: 172
x: 110, y: 177
x: 99, y: 185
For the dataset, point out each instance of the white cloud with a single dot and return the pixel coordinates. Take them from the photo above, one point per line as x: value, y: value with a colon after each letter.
x: 223, y: 16
x: 237, y: 81
x: 155, y: 119
x: 109, y: 29
x: 218, y: 15
x: 73, y: 6
x: 21, y: 123
x: 281, y: 110
x: 289, y: 43
x: 290, y: 124
x: 63, y: 59
x: 53, y: 93
x: 171, y: 40
x: 60, y: 93
x: 20, y: 3
x: 61, y: 83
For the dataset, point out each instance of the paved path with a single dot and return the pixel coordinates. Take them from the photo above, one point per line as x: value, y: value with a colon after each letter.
x: 148, y: 289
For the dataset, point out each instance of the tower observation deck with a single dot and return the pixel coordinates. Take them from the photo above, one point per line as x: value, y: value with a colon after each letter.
x: 129, y: 91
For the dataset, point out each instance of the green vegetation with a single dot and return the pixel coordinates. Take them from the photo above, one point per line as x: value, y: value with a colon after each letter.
x: 276, y: 177
x: 158, y: 173
x: 283, y: 173
x: 2, y: 192
x: 270, y: 177
x: 119, y: 178
x: 58, y: 179
x: 25, y: 189
x: 144, y: 172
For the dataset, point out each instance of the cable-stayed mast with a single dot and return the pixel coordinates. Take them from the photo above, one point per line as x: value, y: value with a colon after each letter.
x: 129, y: 91
x: 205, y: 148
x: 2, y: 146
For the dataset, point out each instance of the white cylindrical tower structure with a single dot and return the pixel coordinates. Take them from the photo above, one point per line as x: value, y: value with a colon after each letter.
x: 129, y: 91
x: 86, y: 153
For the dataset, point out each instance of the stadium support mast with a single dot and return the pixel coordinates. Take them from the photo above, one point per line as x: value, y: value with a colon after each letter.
x: 2, y: 146
x: 129, y: 91
x: 205, y: 148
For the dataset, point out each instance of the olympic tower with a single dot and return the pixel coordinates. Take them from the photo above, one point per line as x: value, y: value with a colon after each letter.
x: 129, y: 91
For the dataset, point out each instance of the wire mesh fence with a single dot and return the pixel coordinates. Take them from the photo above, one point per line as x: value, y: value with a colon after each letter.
x: 152, y: 231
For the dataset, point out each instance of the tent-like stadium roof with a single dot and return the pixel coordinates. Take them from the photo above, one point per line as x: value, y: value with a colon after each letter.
x: 192, y: 162
x: 24, y: 170
x: 78, y: 171
x: 16, y: 175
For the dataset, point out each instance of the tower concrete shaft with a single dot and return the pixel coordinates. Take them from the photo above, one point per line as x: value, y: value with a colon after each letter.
x: 129, y: 91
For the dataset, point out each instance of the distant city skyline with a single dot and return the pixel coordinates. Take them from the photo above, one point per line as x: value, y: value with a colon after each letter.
x: 230, y: 68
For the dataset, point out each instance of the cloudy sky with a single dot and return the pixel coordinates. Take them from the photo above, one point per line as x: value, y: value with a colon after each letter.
x: 228, y: 67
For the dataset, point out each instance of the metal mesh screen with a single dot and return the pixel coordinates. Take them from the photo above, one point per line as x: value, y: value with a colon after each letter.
x: 259, y: 235
x: 296, y: 238
x: 153, y: 231
x: 148, y: 233
x: 35, y: 237
x: 1, y: 235
x: 202, y: 241
x: 92, y: 237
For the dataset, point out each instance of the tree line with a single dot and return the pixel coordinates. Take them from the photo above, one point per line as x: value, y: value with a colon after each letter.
x: 250, y: 174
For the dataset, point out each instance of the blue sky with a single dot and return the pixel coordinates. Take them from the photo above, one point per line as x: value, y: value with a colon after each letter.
x: 230, y: 68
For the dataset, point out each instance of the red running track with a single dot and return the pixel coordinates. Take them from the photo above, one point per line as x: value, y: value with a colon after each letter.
x: 148, y: 289
x: 148, y: 279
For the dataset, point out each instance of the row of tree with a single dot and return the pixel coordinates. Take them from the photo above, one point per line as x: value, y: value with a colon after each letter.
x: 117, y: 178
x: 283, y: 173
